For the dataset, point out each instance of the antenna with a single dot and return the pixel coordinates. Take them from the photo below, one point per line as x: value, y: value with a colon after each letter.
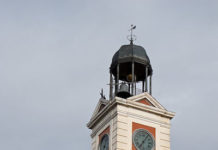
x: 131, y: 37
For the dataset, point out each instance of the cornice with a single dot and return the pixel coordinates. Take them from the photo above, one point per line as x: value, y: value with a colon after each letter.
x: 101, y: 114
x: 128, y: 103
x: 146, y: 108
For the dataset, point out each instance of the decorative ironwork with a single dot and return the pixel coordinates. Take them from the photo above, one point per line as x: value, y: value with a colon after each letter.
x: 102, y: 94
x: 131, y: 37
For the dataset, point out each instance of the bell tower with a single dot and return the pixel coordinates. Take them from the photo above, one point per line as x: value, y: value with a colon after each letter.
x: 131, y: 119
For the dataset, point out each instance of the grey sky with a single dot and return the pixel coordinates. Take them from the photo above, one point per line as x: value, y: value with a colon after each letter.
x: 55, y: 55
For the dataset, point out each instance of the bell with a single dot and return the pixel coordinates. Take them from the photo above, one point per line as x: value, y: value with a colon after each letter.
x: 123, y: 91
x: 129, y: 77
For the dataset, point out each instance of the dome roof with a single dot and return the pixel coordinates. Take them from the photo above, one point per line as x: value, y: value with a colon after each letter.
x: 128, y: 54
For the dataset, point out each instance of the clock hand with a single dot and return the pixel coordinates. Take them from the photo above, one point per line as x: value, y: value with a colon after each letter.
x: 143, y: 141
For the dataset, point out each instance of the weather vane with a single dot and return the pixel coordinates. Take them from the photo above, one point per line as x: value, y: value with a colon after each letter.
x: 131, y: 37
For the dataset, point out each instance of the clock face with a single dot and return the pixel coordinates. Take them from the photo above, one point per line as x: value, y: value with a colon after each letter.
x: 143, y: 140
x: 104, y: 145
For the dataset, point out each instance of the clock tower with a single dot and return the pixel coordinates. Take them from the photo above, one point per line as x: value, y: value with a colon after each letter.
x: 131, y: 119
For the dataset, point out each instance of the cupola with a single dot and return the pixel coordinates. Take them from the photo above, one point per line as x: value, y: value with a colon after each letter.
x: 130, y: 67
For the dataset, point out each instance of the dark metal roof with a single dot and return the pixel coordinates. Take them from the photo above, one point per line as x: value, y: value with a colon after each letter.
x: 128, y: 53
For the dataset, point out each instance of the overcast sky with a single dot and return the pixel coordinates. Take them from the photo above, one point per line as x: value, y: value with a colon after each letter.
x: 55, y: 57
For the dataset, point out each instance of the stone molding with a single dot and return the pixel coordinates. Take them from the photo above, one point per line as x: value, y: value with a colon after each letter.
x: 128, y: 103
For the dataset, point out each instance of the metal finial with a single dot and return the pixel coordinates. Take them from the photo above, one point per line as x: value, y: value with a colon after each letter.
x: 131, y: 37
x: 102, y: 94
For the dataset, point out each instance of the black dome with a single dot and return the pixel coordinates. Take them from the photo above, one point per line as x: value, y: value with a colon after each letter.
x: 128, y: 53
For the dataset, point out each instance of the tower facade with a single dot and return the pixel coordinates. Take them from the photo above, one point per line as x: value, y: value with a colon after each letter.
x: 132, y: 119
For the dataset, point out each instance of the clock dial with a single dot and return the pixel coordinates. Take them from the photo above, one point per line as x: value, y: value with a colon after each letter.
x: 104, y: 145
x: 143, y: 140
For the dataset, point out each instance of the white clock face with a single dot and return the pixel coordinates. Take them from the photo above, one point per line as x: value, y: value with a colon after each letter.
x: 143, y: 140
